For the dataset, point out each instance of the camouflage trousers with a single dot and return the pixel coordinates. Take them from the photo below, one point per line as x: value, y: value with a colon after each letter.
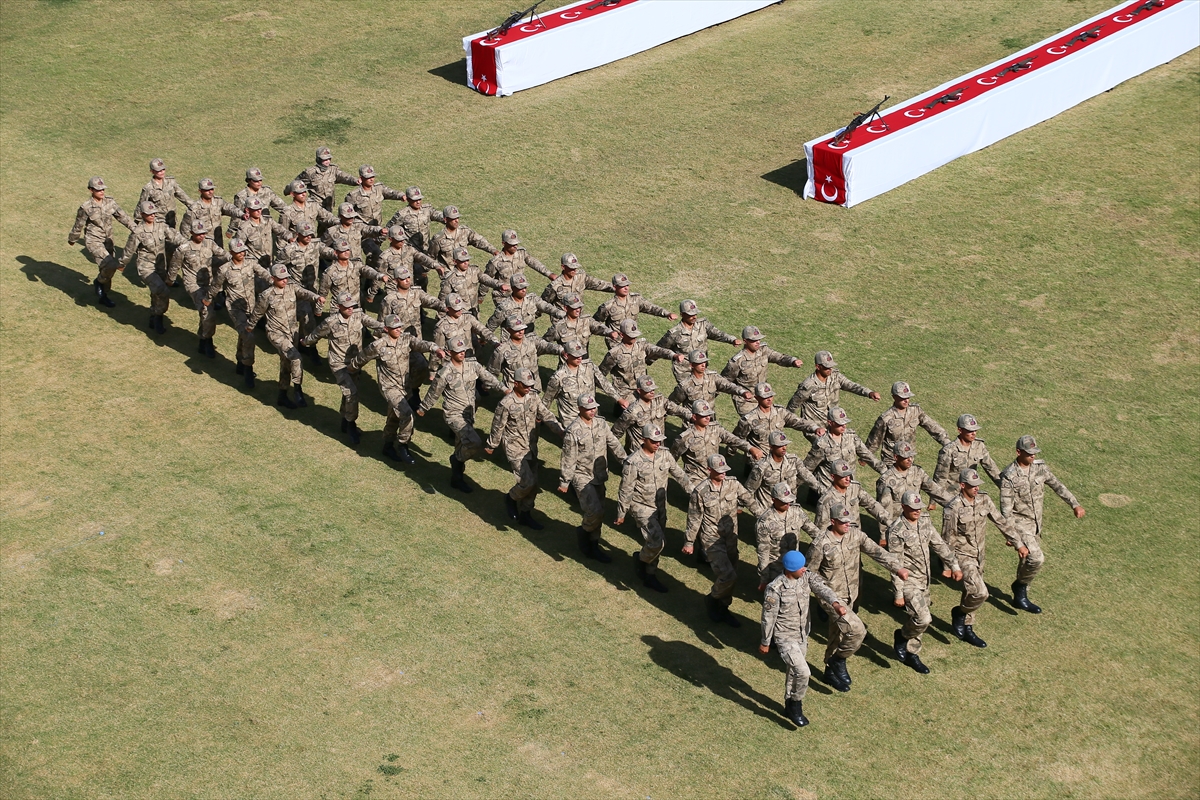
x: 591, y: 505
x: 399, y: 425
x: 468, y: 446
x: 291, y: 369
x: 208, y: 314
x: 795, y: 655
x: 155, y: 277
x: 721, y: 550
x: 846, y: 633
x: 651, y: 520
x: 101, y: 254
x: 245, y: 347
x: 306, y: 316
x: 974, y: 591
x: 349, y: 386
x: 1030, y: 565
x: 525, y: 473
x: 916, y: 606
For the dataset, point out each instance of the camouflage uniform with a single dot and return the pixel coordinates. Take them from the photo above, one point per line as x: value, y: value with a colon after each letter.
x: 626, y: 362
x: 337, y: 279
x: 954, y: 458
x: 639, y: 413
x: 528, y: 308
x: 515, y: 425
x: 643, y: 495
x: 352, y: 234
x: 689, y: 388
x: 814, y: 397
x: 584, y: 466
x: 893, y: 483
x: 567, y: 385
x: 94, y: 222
x: 612, y: 313
x: 502, y: 266
x: 1022, y: 492
x: 415, y: 221
x: 148, y: 243
x: 211, y: 212
x: 293, y: 217
x: 964, y: 529
x: 392, y: 260
x: 237, y: 281
x: 909, y: 542
x: 259, y: 237
x: 580, y: 329
x: 345, y: 336
x: 853, y: 499
x: 756, y: 426
x: 511, y: 356
x: 369, y: 202
x: 560, y: 286
x: 279, y: 307
x: 443, y: 245
x: 467, y: 283
x: 464, y: 325
x: 767, y: 472
x: 684, y: 338
x: 304, y: 266
x: 163, y: 198
x: 777, y: 532
x: 457, y: 384
x: 394, y: 358
x: 196, y: 263
x: 322, y: 181
x: 265, y: 194
x: 712, y: 518
x: 829, y: 448
x: 785, y: 621
x: 748, y: 369
x: 896, y: 425
x: 696, y: 444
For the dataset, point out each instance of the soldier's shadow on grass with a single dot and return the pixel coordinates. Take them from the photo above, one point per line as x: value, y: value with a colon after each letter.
x: 699, y: 668
x: 790, y: 176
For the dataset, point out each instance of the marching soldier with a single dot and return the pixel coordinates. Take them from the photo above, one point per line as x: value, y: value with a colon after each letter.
x: 838, y: 442
x: 966, y: 452
x: 1022, y: 492
x: 835, y: 555
x: 255, y: 188
x: 322, y: 178
x: 648, y: 407
x: 400, y: 254
x: 748, y: 366
x: 779, y: 466
x: 351, y: 229
x: 577, y: 377
x: 712, y: 518
x: 511, y: 260
x: 572, y: 281
x: 236, y: 278
x: 702, y: 438
x: 903, y: 477
x: 94, y: 223
x: 278, y: 305
x: 455, y: 385
x: 455, y: 323
x: 520, y: 303
x: 147, y: 243
x: 394, y: 353
x: 300, y: 211
x: 162, y: 191
x: 515, y: 426
x: 777, y: 531
x: 414, y: 218
x: 909, y: 539
x: 258, y: 233
x: 574, y: 325
x: 345, y: 275
x: 643, y: 495
x: 820, y: 391
x: 757, y: 425
x: 367, y: 198
x: 964, y: 529
x: 692, y: 333
x: 900, y: 422
x: 303, y: 259
x: 627, y: 305
x: 467, y: 281
x: 407, y: 302
x: 584, y: 466
x: 196, y: 259
x: 345, y: 333
x: 454, y: 236
x: 700, y: 382
x: 520, y: 350
x: 848, y: 493
x: 785, y: 621
x: 209, y: 208
x: 628, y: 360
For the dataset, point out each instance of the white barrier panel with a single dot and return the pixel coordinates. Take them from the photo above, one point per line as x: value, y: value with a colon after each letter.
x: 1007, y: 96
x: 585, y: 35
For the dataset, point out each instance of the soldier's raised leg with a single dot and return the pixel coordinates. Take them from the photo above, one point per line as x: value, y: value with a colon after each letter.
x: 102, y: 256
x: 907, y: 640
x: 245, y: 346
x: 525, y: 490
x: 468, y: 446
x: 1027, y: 569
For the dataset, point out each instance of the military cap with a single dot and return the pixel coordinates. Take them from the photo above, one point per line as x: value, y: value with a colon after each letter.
x: 825, y: 359
x: 347, y: 210
x: 837, y: 416
x: 839, y: 513
x: 451, y: 212
x: 717, y: 463
x: 458, y: 345
x: 157, y: 165
x: 778, y: 439
x: 697, y: 356
x: 763, y: 390
x: 574, y: 348
x: 793, y: 561
x: 324, y: 153
x: 525, y: 375
x: 968, y: 422
x: 236, y: 245
x: 510, y: 237
x: 1029, y: 445
x: 454, y: 302
x: 254, y: 174
x: 645, y: 383
x: 970, y: 477
x: 518, y: 281
x: 569, y: 261
x: 841, y: 468
x: 341, y: 246
x: 199, y: 226
x: 461, y: 255
x: 396, y: 233
x: 653, y: 432
x: 298, y: 187
x: 255, y: 203
x: 515, y: 323
x: 620, y: 279
x: 781, y: 491
x: 911, y: 500
x: 902, y: 390
x: 688, y: 308
x: 393, y: 321
x: 206, y: 184
x: 366, y: 171
x: 402, y: 272
x: 587, y: 401
x: 96, y: 183
x: 413, y: 193
x: 629, y: 327
x: 346, y: 300
x: 751, y: 333
x: 306, y: 229
x: 905, y: 450
x: 702, y: 408
x: 147, y: 208
x: 572, y: 301
x: 280, y: 271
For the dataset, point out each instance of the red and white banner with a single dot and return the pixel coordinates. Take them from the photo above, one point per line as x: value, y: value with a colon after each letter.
x: 1007, y: 96
x: 585, y: 35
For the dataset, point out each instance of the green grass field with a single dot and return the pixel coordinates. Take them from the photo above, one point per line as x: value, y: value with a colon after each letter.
x: 271, y: 614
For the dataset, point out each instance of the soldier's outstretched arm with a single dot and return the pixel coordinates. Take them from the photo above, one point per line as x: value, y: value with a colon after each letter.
x: 694, y: 517
x: 770, y: 612
x: 538, y: 266
x: 889, y: 561
x: 775, y: 357
x: 567, y: 462
x: 1006, y: 496
x: 719, y: 335
x: 629, y: 476
x: 821, y: 590
x: 989, y: 465
x: 935, y: 492
x: 949, y: 560
x: 547, y: 418
x: 650, y: 308
x: 345, y: 178
x: 499, y: 422
x: 1062, y: 491
x: 676, y: 410
x: 320, y: 332
x: 434, y: 394
x: 798, y: 423
x: 120, y: 216
x: 489, y: 380
x: 680, y: 477
x: 875, y: 437
x: 895, y: 546
x: 368, y: 353
x: 81, y: 219
x: 597, y: 285
x: 935, y: 430
x: 867, y: 457
x: 614, y: 445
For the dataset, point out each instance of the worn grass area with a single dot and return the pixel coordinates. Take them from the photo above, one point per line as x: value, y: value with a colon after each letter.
x: 269, y: 614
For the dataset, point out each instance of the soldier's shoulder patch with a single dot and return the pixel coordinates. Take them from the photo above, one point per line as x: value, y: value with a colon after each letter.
x: 736, y: 357
x: 770, y: 600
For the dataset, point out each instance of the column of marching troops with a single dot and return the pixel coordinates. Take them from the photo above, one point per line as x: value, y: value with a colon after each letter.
x: 291, y: 270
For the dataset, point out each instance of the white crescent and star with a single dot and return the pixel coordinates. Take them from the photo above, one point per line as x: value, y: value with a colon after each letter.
x: 1056, y: 51
x: 987, y: 81
x: 1123, y: 18
x: 829, y: 198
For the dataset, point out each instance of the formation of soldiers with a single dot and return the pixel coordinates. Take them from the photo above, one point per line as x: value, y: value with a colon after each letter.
x: 307, y: 272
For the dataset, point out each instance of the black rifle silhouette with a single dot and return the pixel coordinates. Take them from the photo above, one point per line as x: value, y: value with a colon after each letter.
x: 1148, y: 6
x: 594, y: 6
x: 949, y: 97
x: 513, y: 19
x: 1017, y: 67
x: 1094, y: 33
x: 866, y: 116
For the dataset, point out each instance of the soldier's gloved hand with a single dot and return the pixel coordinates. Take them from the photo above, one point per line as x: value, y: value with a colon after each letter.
x: 898, y: 602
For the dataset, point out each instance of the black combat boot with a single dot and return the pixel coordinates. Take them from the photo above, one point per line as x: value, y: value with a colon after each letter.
x: 345, y: 424
x: 354, y: 432
x: 845, y: 673
x: 150, y: 321
x: 957, y: 620
x: 159, y: 327
x: 284, y: 400
x: 389, y: 451
x: 650, y: 581
x: 404, y: 456
x: 833, y: 674
x: 248, y: 376
x: 458, y: 478
x: 200, y: 348
x: 900, y: 647
x: 914, y: 661
x: 583, y: 540
x: 795, y: 712
x: 528, y: 521
x: 510, y: 508
x: 298, y: 397
x: 597, y: 554
x: 728, y: 617
x: 716, y: 611
x: 240, y: 369
x: 1021, y: 598
x: 105, y: 300
x: 970, y: 638
x: 209, y: 349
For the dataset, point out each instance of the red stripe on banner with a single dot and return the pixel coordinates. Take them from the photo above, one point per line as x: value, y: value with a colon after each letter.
x: 828, y: 177
x: 483, y: 48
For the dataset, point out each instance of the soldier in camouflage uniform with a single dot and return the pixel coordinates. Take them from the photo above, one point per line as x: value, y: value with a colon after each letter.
x: 467, y: 281
x: 209, y: 208
x: 700, y: 382
x: 457, y: 382
x: 368, y: 197
x: 909, y: 539
x: 703, y: 438
x: 778, y: 466
x: 278, y: 305
x: 966, y: 452
x: 587, y: 441
x: 511, y: 260
x: 521, y: 350
x: 236, y: 278
x: 300, y: 211
x: 712, y: 518
x: 162, y: 191
x: 903, y: 477
x: 147, y: 243
x: 345, y: 274
x: 351, y: 229
x: 577, y: 377
x: 691, y: 334
x: 94, y: 223
x: 407, y: 302
x: 455, y: 323
x: 647, y: 407
x: 255, y: 188
x: 900, y: 422
x: 575, y: 326
x: 848, y: 493
x: 757, y: 425
x: 964, y: 529
x: 643, y: 495
x: 196, y: 259
x: 821, y: 391
x: 777, y: 530
x: 627, y: 305
x: 572, y: 281
x: 836, y: 556
x: 785, y: 621
x: 1022, y: 492
x: 414, y: 218
x: 394, y: 353
x: 839, y: 441
x: 748, y: 366
x: 322, y: 178
x: 521, y: 304
x: 303, y: 259
x: 626, y: 361
x: 454, y: 236
x: 401, y: 254
x: 258, y: 233
x: 515, y: 426
x: 345, y: 333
